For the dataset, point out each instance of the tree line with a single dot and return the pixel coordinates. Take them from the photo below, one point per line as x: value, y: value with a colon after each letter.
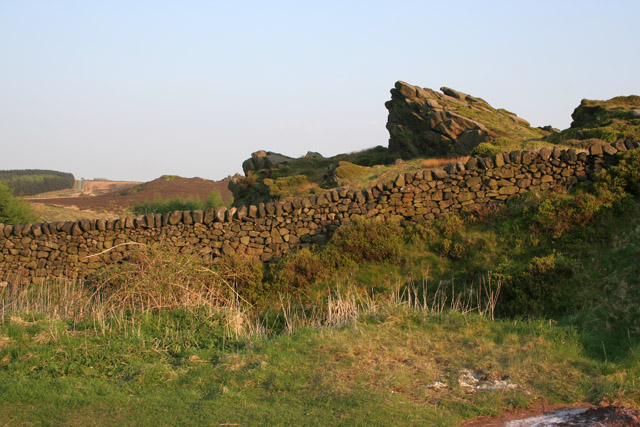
x: 27, y: 182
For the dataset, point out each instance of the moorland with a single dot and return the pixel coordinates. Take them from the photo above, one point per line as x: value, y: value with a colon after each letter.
x: 534, y: 303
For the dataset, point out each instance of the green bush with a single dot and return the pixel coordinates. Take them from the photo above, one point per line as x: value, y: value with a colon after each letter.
x: 245, y: 274
x: 485, y: 149
x: 621, y: 178
x: 13, y: 210
x: 559, y: 212
x: 286, y: 186
x: 453, y: 250
x: 366, y: 240
x: 450, y: 225
x: 299, y: 270
x: 163, y: 206
x: 545, y: 287
x: 214, y: 200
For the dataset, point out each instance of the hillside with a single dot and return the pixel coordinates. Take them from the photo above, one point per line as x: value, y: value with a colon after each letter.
x: 164, y: 188
x: 535, y: 305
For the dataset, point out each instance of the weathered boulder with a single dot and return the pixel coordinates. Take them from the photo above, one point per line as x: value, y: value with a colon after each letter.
x: 420, y: 123
x: 425, y: 122
x: 264, y: 160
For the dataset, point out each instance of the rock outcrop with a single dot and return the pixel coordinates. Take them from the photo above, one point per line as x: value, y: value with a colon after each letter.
x: 425, y: 122
x: 264, y: 160
x: 597, y: 121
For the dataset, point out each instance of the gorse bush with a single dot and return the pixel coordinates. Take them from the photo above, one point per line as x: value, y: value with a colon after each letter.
x: 300, y: 270
x: 621, y: 178
x: 13, y: 210
x: 544, y: 288
x: 558, y: 212
x: 450, y: 225
x: 367, y: 240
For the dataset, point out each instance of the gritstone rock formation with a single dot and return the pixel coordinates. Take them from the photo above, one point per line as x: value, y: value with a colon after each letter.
x: 264, y: 160
x: 451, y: 123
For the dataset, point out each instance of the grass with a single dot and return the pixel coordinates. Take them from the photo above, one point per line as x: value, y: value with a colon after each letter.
x: 382, y: 324
x: 52, y: 213
x: 188, y: 367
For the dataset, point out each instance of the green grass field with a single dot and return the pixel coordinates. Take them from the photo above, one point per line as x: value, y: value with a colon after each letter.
x: 536, y: 302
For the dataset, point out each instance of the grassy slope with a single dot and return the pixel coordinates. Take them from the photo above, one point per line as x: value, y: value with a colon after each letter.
x: 194, y: 367
x: 371, y: 373
x: 507, y: 133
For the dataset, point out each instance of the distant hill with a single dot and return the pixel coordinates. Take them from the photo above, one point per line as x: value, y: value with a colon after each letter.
x: 27, y: 182
x: 164, y: 188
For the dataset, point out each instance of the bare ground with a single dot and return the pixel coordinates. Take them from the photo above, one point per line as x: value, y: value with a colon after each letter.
x: 563, y: 416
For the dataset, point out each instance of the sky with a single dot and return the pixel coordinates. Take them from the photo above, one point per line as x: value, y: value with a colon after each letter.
x: 132, y: 90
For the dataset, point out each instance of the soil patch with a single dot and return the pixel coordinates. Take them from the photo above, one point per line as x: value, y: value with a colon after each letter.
x: 563, y: 416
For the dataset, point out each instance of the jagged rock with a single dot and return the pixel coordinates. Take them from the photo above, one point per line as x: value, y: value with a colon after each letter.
x: 264, y: 160
x: 452, y: 123
x: 420, y: 122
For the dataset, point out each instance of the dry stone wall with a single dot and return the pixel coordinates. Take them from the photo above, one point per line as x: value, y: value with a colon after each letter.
x: 35, y: 252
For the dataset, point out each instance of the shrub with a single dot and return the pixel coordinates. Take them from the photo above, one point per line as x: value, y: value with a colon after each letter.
x: 454, y: 250
x: 485, y: 149
x: 544, y: 288
x: 245, y: 274
x: 422, y: 232
x: 558, y: 212
x: 13, y: 210
x: 450, y: 225
x: 366, y: 240
x: 299, y: 270
x: 214, y: 200
x: 287, y: 186
x: 621, y: 178
x: 163, y: 206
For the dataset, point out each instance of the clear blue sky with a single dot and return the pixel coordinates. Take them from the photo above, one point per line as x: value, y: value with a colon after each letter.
x: 132, y: 90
